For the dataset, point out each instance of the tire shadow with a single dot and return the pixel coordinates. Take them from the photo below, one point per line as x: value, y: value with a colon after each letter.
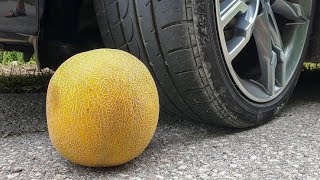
x: 178, y: 137
x: 174, y: 131
x: 308, y: 87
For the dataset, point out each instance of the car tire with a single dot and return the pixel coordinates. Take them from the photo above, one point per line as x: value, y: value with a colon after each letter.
x: 179, y: 42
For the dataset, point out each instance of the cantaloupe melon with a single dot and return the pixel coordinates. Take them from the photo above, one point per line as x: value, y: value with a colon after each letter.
x: 102, y: 108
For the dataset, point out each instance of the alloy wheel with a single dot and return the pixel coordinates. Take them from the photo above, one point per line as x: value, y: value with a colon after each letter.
x: 262, y: 43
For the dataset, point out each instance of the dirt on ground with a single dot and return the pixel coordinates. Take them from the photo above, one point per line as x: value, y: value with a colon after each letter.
x: 7, y: 70
x: 16, y: 78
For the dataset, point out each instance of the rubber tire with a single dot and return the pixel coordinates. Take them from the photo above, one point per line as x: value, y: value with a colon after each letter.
x: 178, y: 42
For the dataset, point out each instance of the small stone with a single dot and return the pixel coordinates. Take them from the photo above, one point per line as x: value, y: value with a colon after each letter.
x: 183, y: 167
x: 214, y: 170
x: 203, y: 176
x: 225, y: 157
x: 14, y: 63
x: 174, y: 170
x: 139, y: 169
x: 59, y: 176
x: 11, y: 176
x: 203, y: 170
x: 264, y: 145
x: 11, y: 161
x: 222, y: 173
x: 16, y: 170
x: 233, y: 165
x: 180, y: 162
x: 273, y: 160
x: 296, y: 165
x: 136, y: 178
x: 38, y: 174
x: 253, y: 157
x: 189, y: 176
x: 159, y: 177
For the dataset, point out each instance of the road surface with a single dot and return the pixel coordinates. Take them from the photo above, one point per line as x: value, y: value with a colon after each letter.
x: 286, y: 148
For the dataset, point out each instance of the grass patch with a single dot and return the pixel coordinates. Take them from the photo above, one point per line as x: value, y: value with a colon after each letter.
x: 7, y: 57
x: 312, y: 66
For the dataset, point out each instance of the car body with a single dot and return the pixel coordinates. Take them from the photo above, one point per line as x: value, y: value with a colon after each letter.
x: 61, y: 27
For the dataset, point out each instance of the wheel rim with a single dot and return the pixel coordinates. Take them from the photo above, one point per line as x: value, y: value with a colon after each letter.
x: 273, y: 31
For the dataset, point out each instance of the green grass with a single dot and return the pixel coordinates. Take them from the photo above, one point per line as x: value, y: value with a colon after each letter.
x: 6, y: 57
x: 312, y: 66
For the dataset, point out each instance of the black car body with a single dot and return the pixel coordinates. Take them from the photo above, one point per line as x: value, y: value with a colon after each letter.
x: 54, y: 30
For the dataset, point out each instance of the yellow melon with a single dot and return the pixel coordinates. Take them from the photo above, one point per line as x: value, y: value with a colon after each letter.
x: 102, y: 108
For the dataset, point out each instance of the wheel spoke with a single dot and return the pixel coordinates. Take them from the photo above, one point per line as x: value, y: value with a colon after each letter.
x: 267, y: 57
x: 238, y: 14
x: 281, y: 67
x: 289, y: 10
x: 277, y: 44
x: 230, y: 8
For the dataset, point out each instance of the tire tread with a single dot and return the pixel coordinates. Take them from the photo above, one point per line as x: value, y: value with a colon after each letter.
x: 184, y: 87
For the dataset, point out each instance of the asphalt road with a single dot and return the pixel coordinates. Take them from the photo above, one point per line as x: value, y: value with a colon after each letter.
x: 286, y: 148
